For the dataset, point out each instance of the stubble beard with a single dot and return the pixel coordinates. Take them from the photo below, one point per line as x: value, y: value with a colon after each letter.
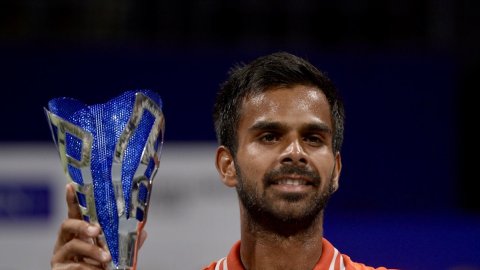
x: 266, y: 214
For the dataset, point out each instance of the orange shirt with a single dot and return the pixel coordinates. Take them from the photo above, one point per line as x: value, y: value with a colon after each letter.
x: 331, y: 259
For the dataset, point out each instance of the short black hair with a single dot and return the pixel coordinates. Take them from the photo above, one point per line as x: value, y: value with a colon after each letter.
x: 279, y: 69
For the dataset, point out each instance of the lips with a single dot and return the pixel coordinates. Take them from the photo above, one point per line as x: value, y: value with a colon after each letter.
x: 292, y: 176
x: 293, y: 180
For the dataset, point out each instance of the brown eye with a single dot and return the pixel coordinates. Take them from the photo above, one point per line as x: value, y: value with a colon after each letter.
x: 314, y: 140
x: 269, y: 137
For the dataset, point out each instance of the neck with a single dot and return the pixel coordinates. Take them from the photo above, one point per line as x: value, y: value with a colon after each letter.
x: 278, y: 246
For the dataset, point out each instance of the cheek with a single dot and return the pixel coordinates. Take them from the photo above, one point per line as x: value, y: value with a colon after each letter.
x: 325, y: 167
x: 254, y: 163
x: 252, y: 149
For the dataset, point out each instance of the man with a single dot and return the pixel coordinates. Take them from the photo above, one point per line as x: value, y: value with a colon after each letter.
x: 279, y: 123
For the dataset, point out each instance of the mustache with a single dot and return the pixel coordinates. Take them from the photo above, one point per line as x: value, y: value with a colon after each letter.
x: 283, y: 172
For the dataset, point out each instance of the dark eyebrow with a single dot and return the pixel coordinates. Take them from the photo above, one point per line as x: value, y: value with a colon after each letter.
x: 277, y: 126
x: 266, y: 125
x: 317, y: 127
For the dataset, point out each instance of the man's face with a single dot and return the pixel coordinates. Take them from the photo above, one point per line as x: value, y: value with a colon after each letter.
x: 285, y: 166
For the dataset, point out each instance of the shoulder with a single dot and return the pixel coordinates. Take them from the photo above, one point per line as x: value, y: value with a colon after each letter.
x: 211, y: 266
x: 217, y: 265
x: 350, y: 265
x: 333, y: 258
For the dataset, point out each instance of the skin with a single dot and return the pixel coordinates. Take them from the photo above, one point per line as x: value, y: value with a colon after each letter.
x: 75, y: 248
x: 282, y: 127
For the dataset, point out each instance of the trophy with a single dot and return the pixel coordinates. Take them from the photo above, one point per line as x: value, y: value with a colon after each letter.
x: 111, y: 153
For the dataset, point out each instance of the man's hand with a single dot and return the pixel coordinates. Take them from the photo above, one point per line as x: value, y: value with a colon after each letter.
x: 75, y: 247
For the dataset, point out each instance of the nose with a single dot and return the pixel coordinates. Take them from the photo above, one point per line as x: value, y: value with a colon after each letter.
x: 294, y: 154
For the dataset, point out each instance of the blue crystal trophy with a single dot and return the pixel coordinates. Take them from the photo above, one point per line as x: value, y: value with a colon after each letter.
x: 111, y: 153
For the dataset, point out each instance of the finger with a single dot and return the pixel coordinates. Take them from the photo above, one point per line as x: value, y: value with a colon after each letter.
x: 74, y: 228
x: 77, y: 248
x: 92, y: 262
x: 72, y: 204
x: 76, y: 266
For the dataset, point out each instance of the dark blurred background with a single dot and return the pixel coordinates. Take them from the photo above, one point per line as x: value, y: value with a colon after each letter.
x: 408, y: 71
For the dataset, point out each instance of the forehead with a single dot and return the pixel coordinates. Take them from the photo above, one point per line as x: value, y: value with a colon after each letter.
x: 296, y: 104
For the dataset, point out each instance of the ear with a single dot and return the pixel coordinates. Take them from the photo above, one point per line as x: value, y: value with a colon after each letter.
x: 336, y: 170
x: 226, y: 166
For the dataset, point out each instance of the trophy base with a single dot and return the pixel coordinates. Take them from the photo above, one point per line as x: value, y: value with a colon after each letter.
x: 122, y: 268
